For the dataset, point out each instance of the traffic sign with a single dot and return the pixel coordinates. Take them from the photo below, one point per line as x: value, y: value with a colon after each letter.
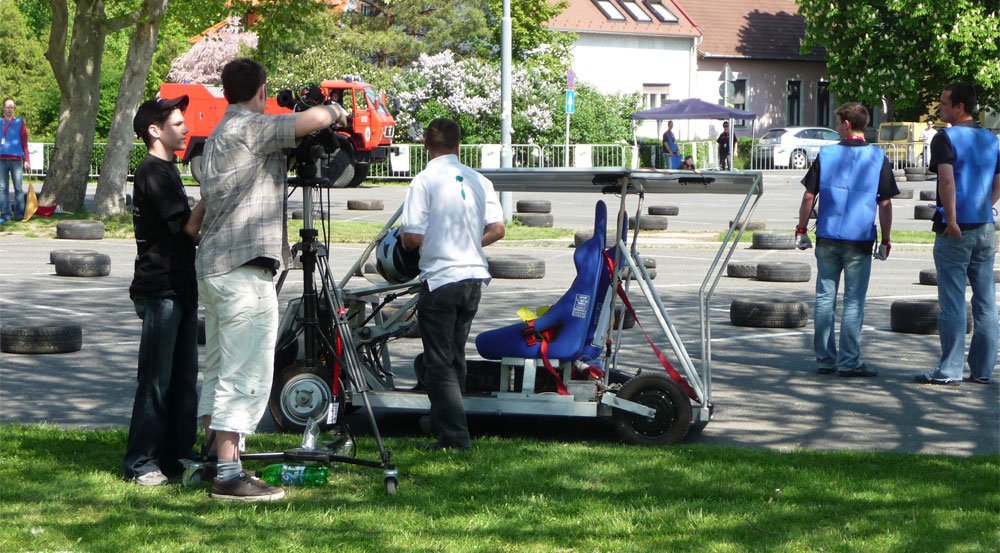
x: 570, y: 101
x: 727, y: 90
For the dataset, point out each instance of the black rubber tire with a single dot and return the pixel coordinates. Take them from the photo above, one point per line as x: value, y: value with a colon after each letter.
x: 773, y: 241
x: 923, y: 212
x: 534, y: 219
x: 629, y: 321
x: 414, y: 330
x: 84, y: 265
x: 298, y: 393
x: 929, y: 277
x: 663, y: 210
x: 784, y: 271
x: 915, y: 178
x: 650, y: 222
x: 296, y: 214
x: 904, y: 194
x: 365, y: 205
x: 920, y: 316
x: 928, y: 195
x: 201, y: 331
x: 898, y: 173
x: 520, y: 267
x: 41, y: 339
x: 360, y: 174
x: 651, y: 272
x: 914, y: 171
x: 61, y: 254
x: 340, y: 168
x: 752, y: 224
x: 533, y: 206
x: 197, y: 165
x: 80, y: 230
x: 741, y: 269
x: 581, y: 236
x: 673, y: 411
x: 769, y: 313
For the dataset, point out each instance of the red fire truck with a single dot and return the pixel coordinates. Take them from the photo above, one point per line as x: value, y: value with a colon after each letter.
x: 369, y: 131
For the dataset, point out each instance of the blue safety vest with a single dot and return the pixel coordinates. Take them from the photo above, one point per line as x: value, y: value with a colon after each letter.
x: 12, y: 138
x: 848, y: 192
x: 975, y: 161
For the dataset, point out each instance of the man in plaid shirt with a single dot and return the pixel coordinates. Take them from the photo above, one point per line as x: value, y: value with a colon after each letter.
x: 243, y: 245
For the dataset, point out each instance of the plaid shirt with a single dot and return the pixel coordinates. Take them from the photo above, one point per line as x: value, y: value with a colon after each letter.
x: 244, y: 187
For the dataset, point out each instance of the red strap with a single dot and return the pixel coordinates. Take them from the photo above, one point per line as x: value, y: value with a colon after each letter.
x: 674, y: 375
x: 338, y: 346
x: 560, y: 387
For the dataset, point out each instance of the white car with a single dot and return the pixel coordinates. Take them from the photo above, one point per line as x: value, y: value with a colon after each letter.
x: 794, y: 147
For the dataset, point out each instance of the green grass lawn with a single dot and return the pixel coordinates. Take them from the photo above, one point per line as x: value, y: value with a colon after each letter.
x: 61, y: 492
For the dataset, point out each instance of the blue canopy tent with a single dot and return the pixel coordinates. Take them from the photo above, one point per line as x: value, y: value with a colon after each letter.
x: 693, y: 108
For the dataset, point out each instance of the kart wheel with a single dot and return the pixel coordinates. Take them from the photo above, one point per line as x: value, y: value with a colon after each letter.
x: 799, y: 160
x: 298, y: 394
x: 391, y: 484
x: 673, y: 411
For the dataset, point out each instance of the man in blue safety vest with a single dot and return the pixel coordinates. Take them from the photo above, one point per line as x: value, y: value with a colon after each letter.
x: 965, y: 158
x: 853, y: 181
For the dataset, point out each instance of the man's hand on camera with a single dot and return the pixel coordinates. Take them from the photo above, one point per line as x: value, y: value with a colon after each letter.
x: 802, y: 240
x: 882, y: 252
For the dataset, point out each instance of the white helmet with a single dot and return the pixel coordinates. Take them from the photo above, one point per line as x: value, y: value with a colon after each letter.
x: 393, y: 262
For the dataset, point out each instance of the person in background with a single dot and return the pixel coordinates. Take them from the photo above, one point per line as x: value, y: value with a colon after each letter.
x: 687, y: 164
x: 670, y: 147
x: 164, y: 291
x: 14, y: 161
x: 854, y: 183
x: 965, y: 158
x: 723, y: 142
x: 451, y: 213
x: 926, y: 136
x: 243, y: 244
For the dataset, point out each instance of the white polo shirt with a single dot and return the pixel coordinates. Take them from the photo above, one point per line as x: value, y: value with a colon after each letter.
x: 450, y: 205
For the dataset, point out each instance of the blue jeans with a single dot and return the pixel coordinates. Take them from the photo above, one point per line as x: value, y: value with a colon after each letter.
x: 955, y: 259
x: 833, y: 258
x: 12, y: 170
x: 445, y: 318
x: 164, y: 418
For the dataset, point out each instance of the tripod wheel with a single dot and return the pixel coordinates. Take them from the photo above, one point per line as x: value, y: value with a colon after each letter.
x: 300, y: 393
x: 391, y: 484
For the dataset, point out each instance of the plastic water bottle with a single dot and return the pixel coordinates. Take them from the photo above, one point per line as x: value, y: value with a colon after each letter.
x: 296, y: 475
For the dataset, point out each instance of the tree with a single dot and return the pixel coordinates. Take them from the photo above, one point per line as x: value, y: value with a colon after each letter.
x: 78, y: 72
x: 905, y: 51
x: 109, y: 198
x: 23, y: 71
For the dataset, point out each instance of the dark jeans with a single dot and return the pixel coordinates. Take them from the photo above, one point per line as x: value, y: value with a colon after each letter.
x: 445, y: 317
x: 164, y: 415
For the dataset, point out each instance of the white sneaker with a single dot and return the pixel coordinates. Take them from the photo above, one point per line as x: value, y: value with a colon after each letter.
x: 154, y: 478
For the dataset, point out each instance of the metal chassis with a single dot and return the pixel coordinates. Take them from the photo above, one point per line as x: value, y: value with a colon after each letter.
x: 588, y: 398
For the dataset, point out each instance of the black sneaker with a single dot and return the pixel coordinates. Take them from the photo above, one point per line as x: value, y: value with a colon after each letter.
x: 924, y: 379
x: 245, y: 488
x: 826, y: 370
x: 861, y: 371
x: 978, y: 380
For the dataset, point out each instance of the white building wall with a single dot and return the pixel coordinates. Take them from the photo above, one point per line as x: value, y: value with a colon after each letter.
x: 623, y: 63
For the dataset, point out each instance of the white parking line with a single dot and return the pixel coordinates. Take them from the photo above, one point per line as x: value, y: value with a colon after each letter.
x: 50, y: 308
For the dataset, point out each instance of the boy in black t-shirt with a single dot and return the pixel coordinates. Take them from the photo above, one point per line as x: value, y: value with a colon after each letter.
x: 165, y: 294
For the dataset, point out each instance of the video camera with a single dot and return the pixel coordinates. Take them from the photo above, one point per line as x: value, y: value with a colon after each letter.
x: 313, y: 152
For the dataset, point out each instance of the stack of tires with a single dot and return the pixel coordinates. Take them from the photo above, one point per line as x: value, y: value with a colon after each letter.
x: 534, y: 213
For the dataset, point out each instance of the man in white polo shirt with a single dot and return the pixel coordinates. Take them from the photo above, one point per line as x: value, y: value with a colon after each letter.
x: 451, y: 213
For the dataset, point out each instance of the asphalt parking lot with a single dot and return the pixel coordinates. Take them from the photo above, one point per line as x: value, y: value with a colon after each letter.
x: 764, y: 384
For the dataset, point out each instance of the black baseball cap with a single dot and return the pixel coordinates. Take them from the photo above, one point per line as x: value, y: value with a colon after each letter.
x: 150, y: 110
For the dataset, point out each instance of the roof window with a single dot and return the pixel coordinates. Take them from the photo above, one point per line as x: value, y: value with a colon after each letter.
x: 632, y: 7
x: 609, y: 10
x: 660, y: 11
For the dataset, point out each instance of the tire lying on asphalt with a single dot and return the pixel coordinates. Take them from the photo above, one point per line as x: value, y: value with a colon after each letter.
x: 663, y: 210
x: 904, y: 194
x: 769, y: 313
x: 41, y: 339
x: 741, y: 269
x: 925, y: 212
x: 629, y: 321
x: 928, y: 195
x: 365, y: 205
x: 534, y: 219
x: 784, y: 271
x: 752, y: 224
x: 61, y: 254
x: 650, y: 222
x: 773, y: 241
x: 80, y: 230
x: 84, y: 265
x: 914, y: 171
x: 920, y: 316
x: 581, y: 236
x: 929, y: 277
x: 520, y: 267
x: 411, y: 315
x: 533, y: 206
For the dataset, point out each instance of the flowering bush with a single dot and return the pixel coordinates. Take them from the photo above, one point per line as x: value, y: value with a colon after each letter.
x: 203, y: 62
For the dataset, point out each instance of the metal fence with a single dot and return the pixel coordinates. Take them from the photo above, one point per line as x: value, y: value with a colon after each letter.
x: 764, y: 157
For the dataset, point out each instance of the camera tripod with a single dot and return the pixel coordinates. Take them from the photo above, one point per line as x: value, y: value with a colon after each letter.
x: 330, y: 362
